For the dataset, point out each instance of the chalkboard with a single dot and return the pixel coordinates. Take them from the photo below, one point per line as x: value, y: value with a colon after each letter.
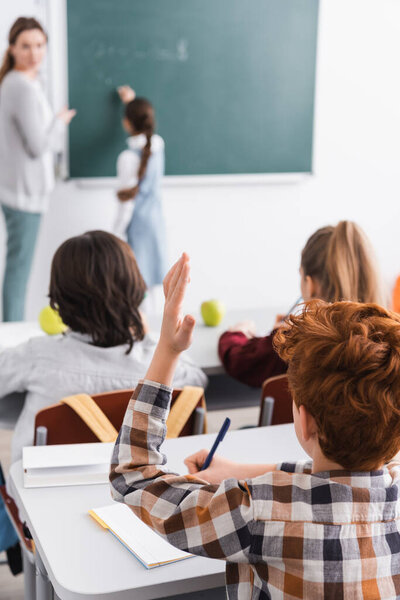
x: 232, y: 82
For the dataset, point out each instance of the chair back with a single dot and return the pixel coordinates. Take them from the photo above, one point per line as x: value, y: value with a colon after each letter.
x: 277, y: 388
x: 64, y: 425
x: 12, y: 511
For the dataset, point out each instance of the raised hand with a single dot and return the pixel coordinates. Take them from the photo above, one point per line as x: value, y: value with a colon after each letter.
x: 176, y: 330
x: 126, y: 93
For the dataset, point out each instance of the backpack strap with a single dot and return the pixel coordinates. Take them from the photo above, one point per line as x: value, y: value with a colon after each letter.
x: 183, y: 407
x: 93, y: 416
x: 104, y: 430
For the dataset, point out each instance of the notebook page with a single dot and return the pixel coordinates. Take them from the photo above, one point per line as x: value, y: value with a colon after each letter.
x: 136, y: 535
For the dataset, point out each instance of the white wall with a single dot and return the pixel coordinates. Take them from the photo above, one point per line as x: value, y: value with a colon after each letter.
x: 245, y: 241
x: 9, y: 11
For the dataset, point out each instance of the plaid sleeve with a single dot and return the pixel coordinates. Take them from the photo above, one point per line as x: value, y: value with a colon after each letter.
x: 209, y: 520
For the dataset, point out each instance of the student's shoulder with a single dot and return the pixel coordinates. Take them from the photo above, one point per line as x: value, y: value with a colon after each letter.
x: 284, y: 474
x: 35, y: 347
x: 274, y: 492
x: 45, y: 343
x: 157, y: 143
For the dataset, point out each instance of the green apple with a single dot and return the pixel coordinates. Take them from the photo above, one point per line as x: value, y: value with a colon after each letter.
x: 212, y: 311
x: 50, y: 321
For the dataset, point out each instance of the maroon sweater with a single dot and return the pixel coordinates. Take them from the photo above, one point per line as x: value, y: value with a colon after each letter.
x: 251, y: 361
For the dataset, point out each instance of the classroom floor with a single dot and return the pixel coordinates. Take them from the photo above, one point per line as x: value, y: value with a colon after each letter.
x: 12, y: 588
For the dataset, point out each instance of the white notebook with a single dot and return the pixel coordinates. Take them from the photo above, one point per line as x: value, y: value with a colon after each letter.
x: 66, y: 464
x: 147, y: 546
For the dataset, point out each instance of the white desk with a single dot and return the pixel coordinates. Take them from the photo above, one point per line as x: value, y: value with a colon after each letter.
x: 84, y: 562
x: 204, y: 349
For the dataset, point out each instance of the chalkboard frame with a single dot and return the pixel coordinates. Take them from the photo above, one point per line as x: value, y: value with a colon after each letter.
x: 57, y: 68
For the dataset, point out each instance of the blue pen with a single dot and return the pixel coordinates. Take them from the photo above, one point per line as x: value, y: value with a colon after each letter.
x: 219, y: 439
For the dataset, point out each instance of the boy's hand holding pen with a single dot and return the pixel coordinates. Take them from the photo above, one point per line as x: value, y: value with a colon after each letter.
x: 220, y: 469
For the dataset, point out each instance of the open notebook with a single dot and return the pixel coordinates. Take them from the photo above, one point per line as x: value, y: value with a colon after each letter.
x: 148, y: 547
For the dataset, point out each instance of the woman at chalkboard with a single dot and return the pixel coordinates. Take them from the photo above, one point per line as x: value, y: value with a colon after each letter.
x: 29, y: 131
x: 140, y: 169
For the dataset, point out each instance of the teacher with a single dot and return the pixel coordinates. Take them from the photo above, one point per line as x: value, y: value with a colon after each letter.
x: 29, y: 132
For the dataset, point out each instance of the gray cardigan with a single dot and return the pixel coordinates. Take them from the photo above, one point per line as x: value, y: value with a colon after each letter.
x: 29, y: 132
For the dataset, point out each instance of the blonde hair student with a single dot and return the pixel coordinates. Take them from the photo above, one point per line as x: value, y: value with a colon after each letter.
x: 337, y: 263
x: 324, y: 528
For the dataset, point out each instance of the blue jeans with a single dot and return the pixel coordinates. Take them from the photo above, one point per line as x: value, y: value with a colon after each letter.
x: 22, y: 229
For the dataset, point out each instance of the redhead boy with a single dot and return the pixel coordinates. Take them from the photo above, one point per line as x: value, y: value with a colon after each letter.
x: 326, y: 529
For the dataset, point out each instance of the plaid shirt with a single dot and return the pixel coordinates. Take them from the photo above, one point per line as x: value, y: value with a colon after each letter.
x: 286, y: 534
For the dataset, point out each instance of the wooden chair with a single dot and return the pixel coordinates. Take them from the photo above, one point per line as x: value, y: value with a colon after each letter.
x: 276, y: 402
x: 59, y: 424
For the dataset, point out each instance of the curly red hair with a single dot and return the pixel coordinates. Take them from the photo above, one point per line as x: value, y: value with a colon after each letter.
x: 344, y: 368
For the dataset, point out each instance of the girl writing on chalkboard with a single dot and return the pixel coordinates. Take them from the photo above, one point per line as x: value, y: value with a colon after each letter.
x: 140, y: 169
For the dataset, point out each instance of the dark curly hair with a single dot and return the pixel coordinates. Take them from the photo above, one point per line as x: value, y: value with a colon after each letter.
x: 344, y: 368
x: 97, y: 288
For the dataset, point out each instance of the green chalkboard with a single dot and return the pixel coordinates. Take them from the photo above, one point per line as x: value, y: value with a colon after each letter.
x: 232, y: 82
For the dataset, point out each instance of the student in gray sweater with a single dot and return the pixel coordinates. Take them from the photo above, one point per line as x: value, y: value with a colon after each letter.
x: 98, y: 289
x: 29, y: 131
